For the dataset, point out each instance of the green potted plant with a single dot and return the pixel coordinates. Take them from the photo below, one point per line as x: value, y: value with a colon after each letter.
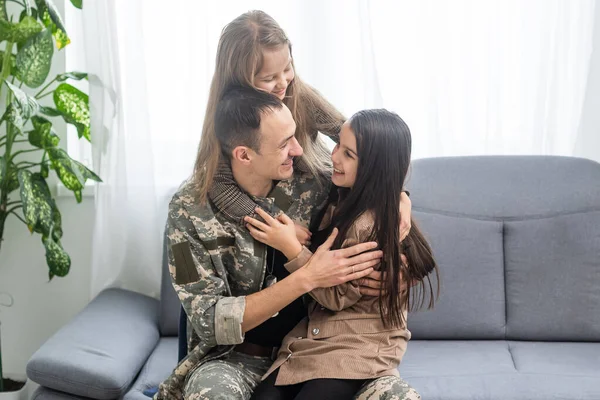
x: 29, y: 146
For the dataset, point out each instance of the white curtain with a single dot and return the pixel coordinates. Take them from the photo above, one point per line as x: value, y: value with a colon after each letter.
x: 481, y: 77
x: 469, y: 77
x: 129, y: 213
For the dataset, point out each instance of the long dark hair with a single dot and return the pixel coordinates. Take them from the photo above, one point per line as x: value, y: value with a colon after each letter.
x: 383, y: 144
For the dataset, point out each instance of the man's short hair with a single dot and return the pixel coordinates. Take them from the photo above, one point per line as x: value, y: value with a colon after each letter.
x: 238, y: 115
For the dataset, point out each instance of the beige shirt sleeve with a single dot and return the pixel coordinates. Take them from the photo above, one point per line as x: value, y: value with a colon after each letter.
x: 325, y: 118
x: 334, y: 298
x: 301, y: 259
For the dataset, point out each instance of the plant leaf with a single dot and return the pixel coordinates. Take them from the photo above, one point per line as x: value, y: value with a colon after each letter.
x: 21, y: 108
x: 57, y: 231
x: 33, y: 14
x: 44, y: 170
x: 51, y: 18
x: 8, y: 177
x: 34, y: 59
x: 26, y: 28
x: 57, y: 258
x: 72, y: 75
x: 43, y: 136
x: 12, y: 182
x: 21, y: 31
x: 67, y: 169
x: 89, y: 174
x: 13, y: 65
x: 74, y: 106
x: 38, y: 205
x: 72, y: 173
x: 49, y: 111
x: 13, y: 61
x: 24, y: 13
x: 27, y: 7
x: 3, y: 13
x: 14, y: 116
x: 25, y: 104
x: 77, y: 3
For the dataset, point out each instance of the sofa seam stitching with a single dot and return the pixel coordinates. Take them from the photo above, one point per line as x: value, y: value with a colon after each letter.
x: 512, y: 357
x: 505, y: 280
x: 504, y: 218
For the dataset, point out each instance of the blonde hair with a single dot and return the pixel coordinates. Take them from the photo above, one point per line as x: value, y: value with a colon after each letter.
x: 239, y: 59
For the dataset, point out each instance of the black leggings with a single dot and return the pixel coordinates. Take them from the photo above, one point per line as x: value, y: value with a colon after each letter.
x: 316, y: 389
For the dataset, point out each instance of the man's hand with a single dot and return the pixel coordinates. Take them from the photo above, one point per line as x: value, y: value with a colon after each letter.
x: 370, y: 284
x: 328, y: 268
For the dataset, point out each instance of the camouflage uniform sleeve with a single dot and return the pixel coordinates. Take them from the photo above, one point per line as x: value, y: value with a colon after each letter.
x: 215, y: 316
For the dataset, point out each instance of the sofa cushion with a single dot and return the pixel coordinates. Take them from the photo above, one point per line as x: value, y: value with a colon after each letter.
x: 475, y: 370
x: 160, y: 364
x: 553, y: 277
x: 99, y: 353
x: 43, y: 393
x: 557, y: 358
x: 507, y: 387
x: 469, y: 254
x: 430, y: 358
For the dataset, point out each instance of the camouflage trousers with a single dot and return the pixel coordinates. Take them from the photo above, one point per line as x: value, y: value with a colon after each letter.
x: 236, y: 376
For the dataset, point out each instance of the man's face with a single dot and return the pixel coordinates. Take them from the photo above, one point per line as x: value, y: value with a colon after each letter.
x: 278, y: 146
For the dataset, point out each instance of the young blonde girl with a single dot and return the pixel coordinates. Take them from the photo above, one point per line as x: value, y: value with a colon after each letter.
x: 349, y: 339
x: 254, y: 51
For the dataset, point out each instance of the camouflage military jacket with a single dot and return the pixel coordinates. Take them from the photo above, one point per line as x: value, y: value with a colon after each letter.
x: 214, y: 263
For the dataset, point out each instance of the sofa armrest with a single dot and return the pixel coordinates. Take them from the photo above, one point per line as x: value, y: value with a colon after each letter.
x: 100, y: 351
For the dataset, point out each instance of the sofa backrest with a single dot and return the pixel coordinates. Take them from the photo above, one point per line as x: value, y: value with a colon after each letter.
x: 517, y: 239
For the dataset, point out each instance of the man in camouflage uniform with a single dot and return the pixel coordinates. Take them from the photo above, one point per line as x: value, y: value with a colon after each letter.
x: 218, y: 269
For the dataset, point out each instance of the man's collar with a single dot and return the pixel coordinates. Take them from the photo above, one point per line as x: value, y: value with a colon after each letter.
x: 234, y: 202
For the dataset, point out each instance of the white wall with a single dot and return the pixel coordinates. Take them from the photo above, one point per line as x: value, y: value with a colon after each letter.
x: 42, y: 307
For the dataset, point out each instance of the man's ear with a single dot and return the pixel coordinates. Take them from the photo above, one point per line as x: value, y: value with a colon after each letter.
x: 242, y: 154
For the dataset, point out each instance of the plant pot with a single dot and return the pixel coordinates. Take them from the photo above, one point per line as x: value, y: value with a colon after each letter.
x: 15, y: 388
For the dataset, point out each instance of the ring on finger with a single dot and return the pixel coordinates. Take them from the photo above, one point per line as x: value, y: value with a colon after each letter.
x: 353, y: 269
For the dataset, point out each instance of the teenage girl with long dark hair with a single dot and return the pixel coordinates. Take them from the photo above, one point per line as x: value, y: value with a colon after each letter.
x: 347, y: 338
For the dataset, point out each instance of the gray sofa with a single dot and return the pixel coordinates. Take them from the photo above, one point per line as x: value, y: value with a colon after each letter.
x: 518, y: 243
